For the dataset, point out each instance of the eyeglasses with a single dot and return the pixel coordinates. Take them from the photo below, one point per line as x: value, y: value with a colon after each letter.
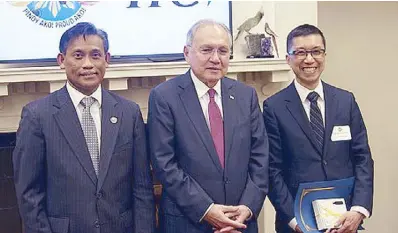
x: 209, y: 51
x: 302, y: 54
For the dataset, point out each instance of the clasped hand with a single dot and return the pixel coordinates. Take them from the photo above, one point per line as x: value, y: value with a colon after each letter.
x: 227, y: 219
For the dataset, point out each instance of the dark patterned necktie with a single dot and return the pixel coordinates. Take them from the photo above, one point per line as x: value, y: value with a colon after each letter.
x: 216, y: 126
x: 316, y: 121
x: 90, y: 131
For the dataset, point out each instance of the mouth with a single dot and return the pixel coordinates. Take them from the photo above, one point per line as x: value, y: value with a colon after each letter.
x: 213, y: 68
x: 88, y: 74
x: 309, y: 70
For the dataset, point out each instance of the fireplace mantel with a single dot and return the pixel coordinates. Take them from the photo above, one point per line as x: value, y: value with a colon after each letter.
x: 118, y: 75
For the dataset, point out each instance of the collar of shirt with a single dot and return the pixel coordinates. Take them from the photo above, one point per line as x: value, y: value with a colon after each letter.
x: 303, y: 91
x: 77, y: 96
x: 201, y: 88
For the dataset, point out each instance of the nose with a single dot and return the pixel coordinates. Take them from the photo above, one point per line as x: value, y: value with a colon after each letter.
x: 87, y: 64
x: 309, y: 58
x: 215, y: 57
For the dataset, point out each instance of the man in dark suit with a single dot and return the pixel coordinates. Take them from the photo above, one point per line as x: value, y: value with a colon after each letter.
x: 80, y: 160
x: 316, y: 133
x: 208, y: 143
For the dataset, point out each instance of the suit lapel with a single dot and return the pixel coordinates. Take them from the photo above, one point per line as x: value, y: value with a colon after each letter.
x: 109, y: 132
x: 67, y: 120
x: 330, y: 111
x: 192, y: 106
x: 296, y: 108
x: 229, y: 114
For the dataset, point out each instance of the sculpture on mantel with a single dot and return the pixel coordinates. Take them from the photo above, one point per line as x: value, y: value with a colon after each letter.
x: 271, y: 33
x: 250, y: 23
x: 258, y: 45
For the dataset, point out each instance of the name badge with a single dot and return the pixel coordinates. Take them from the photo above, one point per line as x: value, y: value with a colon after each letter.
x: 341, y: 133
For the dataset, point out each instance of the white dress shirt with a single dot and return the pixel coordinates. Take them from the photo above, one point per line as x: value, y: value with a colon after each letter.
x: 303, y: 93
x: 95, y: 109
x: 204, y: 98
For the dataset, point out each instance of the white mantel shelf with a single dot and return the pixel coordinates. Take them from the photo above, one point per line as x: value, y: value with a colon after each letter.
x: 118, y: 74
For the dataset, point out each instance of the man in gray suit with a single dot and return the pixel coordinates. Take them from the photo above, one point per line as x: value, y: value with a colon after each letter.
x: 208, y: 142
x: 80, y: 160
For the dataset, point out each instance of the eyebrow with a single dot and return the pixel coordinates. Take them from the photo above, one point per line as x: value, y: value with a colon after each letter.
x: 79, y: 50
x: 212, y: 46
x: 96, y: 50
x: 316, y: 47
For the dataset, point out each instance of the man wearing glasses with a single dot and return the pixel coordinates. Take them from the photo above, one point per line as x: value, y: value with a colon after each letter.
x: 316, y: 133
x: 208, y: 143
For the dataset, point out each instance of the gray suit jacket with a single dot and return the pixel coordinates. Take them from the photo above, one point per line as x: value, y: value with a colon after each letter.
x: 56, y: 185
x: 186, y: 161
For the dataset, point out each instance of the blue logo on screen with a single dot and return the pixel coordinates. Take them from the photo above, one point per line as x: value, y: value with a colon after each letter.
x: 54, y: 14
x: 54, y: 10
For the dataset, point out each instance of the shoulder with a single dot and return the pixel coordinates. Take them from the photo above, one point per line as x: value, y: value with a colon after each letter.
x: 279, y: 97
x: 339, y: 92
x: 171, y: 86
x: 125, y: 103
x: 239, y: 87
x: 43, y: 104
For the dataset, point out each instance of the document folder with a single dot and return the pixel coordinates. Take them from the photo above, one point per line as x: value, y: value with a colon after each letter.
x: 309, y: 192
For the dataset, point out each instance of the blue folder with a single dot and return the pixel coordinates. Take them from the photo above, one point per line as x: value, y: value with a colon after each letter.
x: 308, y: 192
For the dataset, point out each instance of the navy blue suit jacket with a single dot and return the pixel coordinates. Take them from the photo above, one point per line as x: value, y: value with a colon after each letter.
x: 56, y: 185
x: 185, y: 159
x: 295, y: 159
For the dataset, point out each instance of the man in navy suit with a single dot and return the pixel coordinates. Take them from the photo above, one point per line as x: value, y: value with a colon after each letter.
x: 208, y: 143
x: 80, y: 160
x: 316, y: 133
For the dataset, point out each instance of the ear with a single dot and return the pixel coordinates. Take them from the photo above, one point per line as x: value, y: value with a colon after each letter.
x: 107, y: 58
x: 60, y: 60
x: 186, y: 53
x: 288, y: 59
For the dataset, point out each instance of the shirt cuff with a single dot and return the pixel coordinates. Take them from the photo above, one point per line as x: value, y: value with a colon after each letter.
x: 208, y: 209
x: 251, y: 214
x: 293, y: 223
x: 361, y: 210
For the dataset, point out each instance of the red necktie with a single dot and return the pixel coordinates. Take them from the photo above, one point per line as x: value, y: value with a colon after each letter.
x: 216, y: 126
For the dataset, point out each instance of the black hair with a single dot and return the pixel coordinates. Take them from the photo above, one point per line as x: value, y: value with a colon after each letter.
x: 303, y: 30
x: 82, y: 29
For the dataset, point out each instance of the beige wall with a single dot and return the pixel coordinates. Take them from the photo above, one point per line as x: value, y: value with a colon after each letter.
x: 362, y: 49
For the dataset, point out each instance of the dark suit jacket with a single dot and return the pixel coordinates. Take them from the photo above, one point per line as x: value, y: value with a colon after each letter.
x: 56, y: 185
x: 185, y: 159
x: 295, y: 159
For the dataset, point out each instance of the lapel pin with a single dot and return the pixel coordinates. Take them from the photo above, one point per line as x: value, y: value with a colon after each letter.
x: 231, y: 97
x: 113, y: 120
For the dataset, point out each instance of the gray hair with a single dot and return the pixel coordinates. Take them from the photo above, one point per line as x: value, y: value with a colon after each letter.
x: 204, y: 22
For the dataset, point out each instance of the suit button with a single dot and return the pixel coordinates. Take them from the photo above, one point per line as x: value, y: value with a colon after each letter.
x: 226, y: 181
x: 99, y: 195
x: 325, y: 163
x: 96, y: 224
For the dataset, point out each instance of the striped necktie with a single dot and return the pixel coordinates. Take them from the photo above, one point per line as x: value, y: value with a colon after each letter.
x: 316, y: 121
